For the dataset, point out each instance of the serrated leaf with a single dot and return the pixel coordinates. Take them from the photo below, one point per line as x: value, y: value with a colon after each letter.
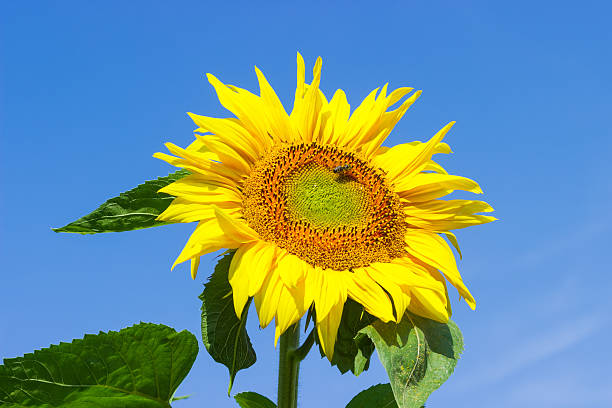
x: 134, y: 209
x: 223, y: 334
x: 377, y: 396
x: 138, y: 367
x: 353, y: 349
x: 418, y: 355
x: 253, y: 400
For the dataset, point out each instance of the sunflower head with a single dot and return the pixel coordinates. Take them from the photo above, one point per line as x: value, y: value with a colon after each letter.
x: 318, y: 210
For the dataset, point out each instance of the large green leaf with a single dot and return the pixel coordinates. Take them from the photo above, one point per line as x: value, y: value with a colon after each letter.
x: 418, y: 354
x: 353, y: 349
x: 377, y: 396
x: 224, y: 335
x: 253, y: 400
x: 135, y: 209
x: 138, y: 367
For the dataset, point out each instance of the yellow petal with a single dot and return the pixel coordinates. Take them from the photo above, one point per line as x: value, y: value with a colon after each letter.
x: 453, y: 240
x: 435, y: 167
x: 437, y: 275
x: 195, y: 184
x: 428, y: 304
x: 198, y: 189
x: 313, y: 102
x: 207, y: 237
x: 458, y: 222
x: 429, y: 186
x: 336, y: 116
x: 290, y: 309
x: 238, y: 275
x: 304, y: 297
x: 407, y: 274
x: 401, y: 298
x: 361, y: 120
x: 423, y: 276
x: 431, y: 279
x: 184, y: 210
x: 292, y: 270
x: 244, y: 105
x: 195, y: 264
x: 227, y: 155
x: 308, y: 102
x: 372, y: 142
x: 267, y: 298
x: 444, y: 209
x: 433, y: 250
x: 195, y: 162
x: 327, y: 328
x: 441, y: 215
x: 407, y: 159
x: 363, y: 289
x: 375, y: 125
x: 301, y: 79
x: 396, y: 95
x: 327, y: 287
x: 233, y: 133
x: 236, y: 229
x: 225, y: 197
x: 199, y: 147
x: 314, y: 284
x: 282, y: 127
x: 262, y: 265
x: 179, y: 162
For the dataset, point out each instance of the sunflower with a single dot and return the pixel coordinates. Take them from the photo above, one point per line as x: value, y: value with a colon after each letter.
x: 318, y: 210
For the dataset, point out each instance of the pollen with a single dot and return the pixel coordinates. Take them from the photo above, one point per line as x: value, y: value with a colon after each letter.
x: 325, y: 205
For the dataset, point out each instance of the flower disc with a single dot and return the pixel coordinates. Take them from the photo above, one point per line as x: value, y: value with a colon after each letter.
x: 326, y: 206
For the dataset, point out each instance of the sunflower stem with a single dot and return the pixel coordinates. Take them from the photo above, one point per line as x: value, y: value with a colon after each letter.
x: 288, y: 367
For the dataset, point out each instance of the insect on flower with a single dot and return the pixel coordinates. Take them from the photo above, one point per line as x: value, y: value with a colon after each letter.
x: 342, y: 168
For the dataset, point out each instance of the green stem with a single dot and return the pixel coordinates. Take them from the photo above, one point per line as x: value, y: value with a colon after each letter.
x: 288, y: 367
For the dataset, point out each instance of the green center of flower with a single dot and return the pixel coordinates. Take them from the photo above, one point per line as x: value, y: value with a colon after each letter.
x: 324, y: 198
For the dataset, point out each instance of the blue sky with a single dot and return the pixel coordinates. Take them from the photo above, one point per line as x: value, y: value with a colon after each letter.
x: 90, y: 90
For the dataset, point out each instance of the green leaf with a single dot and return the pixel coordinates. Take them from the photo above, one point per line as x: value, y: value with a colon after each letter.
x: 353, y: 349
x: 138, y: 367
x: 365, y: 348
x: 224, y: 335
x: 253, y: 400
x: 377, y: 396
x: 418, y: 355
x: 135, y: 209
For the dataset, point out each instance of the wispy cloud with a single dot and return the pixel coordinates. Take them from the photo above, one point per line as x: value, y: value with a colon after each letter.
x: 559, y: 389
x: 530, y: 348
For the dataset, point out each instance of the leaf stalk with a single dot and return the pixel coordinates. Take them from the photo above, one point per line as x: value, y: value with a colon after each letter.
x: 301, y: 352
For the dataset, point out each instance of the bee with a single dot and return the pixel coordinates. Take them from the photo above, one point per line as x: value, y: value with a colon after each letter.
x: 342, y: 168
